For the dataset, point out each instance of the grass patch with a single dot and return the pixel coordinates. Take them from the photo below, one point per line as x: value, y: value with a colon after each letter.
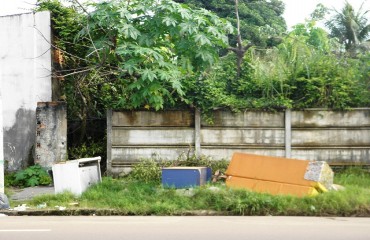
x: 132, y: 197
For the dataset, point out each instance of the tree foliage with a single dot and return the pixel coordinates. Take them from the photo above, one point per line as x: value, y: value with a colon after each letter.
x: 142, y: 54
x: 303, y: 71
x: 143, y: 50
x: 349, y: 26
x: 261, y: 21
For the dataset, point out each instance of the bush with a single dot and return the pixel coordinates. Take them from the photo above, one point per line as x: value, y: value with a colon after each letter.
x: 32, y: 176
x: 202, y: 161
x: 87, y: 149
x: 149, y: 170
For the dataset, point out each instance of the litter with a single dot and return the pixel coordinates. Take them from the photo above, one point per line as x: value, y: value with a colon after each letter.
x: 279, y: 176
x: 21, y: 208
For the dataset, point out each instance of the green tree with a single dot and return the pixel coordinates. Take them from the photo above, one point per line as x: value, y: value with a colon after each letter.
x: 261, y: 21
x: 349, y: 26
x: 310, y: 72
x: 320, y: 12
x: 142, y: 51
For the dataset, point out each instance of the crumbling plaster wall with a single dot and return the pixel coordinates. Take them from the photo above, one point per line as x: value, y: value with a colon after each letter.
x: 25, y: 74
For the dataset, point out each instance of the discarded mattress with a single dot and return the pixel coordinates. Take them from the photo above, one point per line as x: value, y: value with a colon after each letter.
x: 279, y: 176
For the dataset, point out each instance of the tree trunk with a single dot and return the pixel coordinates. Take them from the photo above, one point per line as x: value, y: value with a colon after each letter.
x: 239, y: 50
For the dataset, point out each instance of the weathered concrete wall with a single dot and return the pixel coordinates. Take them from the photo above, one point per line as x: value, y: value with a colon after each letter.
x: 25, y: 63
x: 338, y: 137
x: 135, y: 135
x: 250, y: 132
x: 51, y: 133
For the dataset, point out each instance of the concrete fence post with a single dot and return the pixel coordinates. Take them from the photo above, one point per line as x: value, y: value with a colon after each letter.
x: 109, y: 141
x: 197, y: 119
x: 288, y: 133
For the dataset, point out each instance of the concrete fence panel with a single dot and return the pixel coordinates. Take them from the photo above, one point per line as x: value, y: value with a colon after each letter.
x: 143, y: 134
x: 338, y: 137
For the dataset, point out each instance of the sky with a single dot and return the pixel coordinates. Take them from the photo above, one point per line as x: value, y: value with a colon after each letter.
x: 296, y: 11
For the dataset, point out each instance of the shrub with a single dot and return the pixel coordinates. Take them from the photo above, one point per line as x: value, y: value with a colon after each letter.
x: 32, y: 176
x: 149, y: 170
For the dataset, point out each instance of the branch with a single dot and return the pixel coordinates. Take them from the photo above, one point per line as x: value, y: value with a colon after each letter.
x: 232, y: 49
x: 249, y: 45
x: 92, y: 42
x: 237, y: 16
x: 76, y: 72
x: 56, y: 47
x: 82, y: 7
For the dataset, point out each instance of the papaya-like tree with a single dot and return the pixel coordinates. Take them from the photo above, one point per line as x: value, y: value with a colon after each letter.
x: 142, y: 50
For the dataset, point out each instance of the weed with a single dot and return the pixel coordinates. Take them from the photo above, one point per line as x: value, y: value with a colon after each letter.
x: 149, y: 170
x: 354, y: 176
x: 129, y: 196
x: 206, y: 161
x: 32, y: 176
x: 87, y: 150
x: 60, y: 199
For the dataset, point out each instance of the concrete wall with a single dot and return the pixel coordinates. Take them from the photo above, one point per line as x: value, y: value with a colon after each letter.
x: 338, y: 137
x: 25, y: 63
x: 1, y: 141
x: 51, y: 133
x: 251, y: 131
x: 135, y: 135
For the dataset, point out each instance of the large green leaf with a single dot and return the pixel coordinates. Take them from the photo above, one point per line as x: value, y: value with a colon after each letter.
x: 148, y: 74
x: 130, y: 31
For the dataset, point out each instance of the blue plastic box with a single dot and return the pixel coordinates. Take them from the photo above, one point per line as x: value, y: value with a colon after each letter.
x: 185, y: 177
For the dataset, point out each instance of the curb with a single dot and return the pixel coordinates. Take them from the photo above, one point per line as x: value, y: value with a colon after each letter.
x: 67, y: 212
x: 114, y: 212
x: 103, y: 212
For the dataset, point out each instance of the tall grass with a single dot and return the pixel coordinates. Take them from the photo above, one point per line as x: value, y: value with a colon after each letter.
x: 132, y: 197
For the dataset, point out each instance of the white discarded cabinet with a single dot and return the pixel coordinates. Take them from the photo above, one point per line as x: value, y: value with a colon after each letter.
x: 76, y: 175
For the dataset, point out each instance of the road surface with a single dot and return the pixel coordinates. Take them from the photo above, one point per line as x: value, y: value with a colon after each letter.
x: 183, y: 228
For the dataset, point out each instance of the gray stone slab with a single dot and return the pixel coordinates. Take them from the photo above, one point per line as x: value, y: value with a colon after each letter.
x: 31, y: 192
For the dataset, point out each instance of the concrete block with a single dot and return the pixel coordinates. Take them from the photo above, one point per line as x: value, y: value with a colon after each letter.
x: 320, y: 172
x: 51, y: 133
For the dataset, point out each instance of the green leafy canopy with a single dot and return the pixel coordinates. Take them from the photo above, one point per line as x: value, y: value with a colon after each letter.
x: 147, y: 48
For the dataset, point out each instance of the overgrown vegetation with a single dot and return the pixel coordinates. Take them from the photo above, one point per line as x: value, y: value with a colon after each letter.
x: 306, y: 70
x: 118, y: 56
x: 261, y: 22
x: 128, y: 196
x: 32, y: 176
x: 165, y: 55
x: 88, y: 149
x: 149, y: 170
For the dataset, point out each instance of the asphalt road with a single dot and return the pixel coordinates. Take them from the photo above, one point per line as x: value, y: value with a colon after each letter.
x: 181, y: 228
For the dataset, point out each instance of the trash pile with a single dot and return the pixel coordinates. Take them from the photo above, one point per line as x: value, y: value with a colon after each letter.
x: 279, y: 176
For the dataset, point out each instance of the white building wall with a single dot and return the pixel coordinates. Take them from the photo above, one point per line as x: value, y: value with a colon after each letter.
x: 1, y: 141
x: 25, y: 68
